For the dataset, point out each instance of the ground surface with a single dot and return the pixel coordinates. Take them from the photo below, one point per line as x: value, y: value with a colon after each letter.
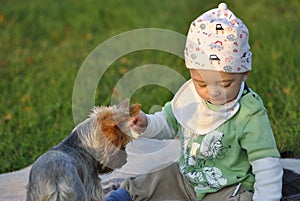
x: 144, y: 155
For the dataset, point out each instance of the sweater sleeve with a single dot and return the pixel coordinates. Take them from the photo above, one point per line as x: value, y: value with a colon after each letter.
x: 257, y: 135
x: 161, y: 125
x: 268, y: 179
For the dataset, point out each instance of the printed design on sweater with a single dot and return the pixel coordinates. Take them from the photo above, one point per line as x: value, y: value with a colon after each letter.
x: 199, y: 153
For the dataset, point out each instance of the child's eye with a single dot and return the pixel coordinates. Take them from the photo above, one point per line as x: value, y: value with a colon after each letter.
x: 225, y: 85
x: 201, y: 85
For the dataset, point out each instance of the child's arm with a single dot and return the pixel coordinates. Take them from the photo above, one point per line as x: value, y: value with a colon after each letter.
x: 268, y: 179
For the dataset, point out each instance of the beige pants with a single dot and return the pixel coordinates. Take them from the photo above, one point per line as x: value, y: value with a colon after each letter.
x: 169, y: 184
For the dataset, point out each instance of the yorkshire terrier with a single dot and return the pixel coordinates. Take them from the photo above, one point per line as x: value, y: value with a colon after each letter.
x: 70, y: 170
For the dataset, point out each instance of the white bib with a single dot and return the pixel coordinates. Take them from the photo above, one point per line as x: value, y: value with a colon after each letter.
x: 192, y: 112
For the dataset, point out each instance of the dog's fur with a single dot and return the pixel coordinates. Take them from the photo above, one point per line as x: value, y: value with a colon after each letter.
x: 69, y: 171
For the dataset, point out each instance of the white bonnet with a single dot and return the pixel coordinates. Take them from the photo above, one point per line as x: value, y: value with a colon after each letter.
x: 218, y: 40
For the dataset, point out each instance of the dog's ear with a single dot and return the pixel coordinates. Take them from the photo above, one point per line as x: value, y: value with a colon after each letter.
x: 111, y: 126
x: 134, y: 110
x: 107, y: 120
x: 124, y: 104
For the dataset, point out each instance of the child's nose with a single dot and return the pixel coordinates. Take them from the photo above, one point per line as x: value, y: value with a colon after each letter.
x: 214, y: 92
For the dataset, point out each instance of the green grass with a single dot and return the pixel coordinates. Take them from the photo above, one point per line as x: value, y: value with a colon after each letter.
x: 44, y: 43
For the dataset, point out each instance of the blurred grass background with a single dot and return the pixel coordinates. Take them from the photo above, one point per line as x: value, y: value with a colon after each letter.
x: 43, y: 44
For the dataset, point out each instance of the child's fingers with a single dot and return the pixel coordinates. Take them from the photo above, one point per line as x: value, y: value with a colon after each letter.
x: 133, y: 121
x: 138, y: 129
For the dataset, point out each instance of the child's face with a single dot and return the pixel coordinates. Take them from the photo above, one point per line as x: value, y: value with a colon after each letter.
x: 217, y: 87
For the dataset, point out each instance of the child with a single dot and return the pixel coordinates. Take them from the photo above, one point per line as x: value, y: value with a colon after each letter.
x: 228, y: 151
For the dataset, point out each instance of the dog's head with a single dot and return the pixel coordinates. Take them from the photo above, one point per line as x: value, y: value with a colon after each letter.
x: 114, y: 123
x: 106, y: 133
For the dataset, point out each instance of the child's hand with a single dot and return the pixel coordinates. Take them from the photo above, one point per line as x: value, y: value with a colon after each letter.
x: 139, y: 123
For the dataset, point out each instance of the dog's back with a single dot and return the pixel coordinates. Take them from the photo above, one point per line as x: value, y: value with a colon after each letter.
x: 65, y: 172
x: 54, y: 176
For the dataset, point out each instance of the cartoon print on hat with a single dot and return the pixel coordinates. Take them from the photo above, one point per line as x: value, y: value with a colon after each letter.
x: 218, y: 40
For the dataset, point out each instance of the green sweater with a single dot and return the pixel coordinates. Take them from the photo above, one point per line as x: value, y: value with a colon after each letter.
x: 222, y: 157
